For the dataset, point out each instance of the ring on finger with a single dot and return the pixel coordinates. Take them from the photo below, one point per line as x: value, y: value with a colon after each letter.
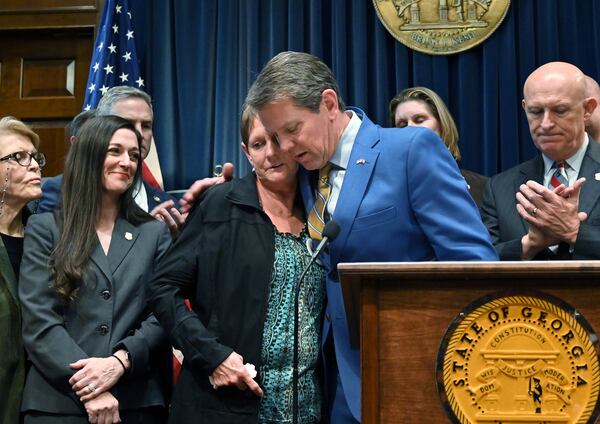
x: 91, y: 388
x: 534, y: 211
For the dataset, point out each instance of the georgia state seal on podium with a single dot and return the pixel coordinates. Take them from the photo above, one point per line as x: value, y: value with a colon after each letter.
x: 519, y: 358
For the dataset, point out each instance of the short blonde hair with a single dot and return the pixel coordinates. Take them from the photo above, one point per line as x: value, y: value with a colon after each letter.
x: 439, y: 110
x: 10, y: 125
x: 246, y: 121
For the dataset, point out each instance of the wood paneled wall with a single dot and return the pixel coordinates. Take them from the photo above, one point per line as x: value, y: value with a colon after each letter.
x: 45, y: 52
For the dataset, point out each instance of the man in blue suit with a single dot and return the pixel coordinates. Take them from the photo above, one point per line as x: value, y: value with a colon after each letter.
x: 396, y: 194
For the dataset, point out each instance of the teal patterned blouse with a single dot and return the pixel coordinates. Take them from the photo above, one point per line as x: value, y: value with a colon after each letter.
x: 291, y: 255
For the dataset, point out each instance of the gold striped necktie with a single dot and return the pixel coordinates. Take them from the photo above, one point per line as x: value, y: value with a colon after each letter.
x: 316, y: 217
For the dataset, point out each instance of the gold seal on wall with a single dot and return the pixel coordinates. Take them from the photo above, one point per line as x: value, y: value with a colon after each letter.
x: 441, y: 26
x: 519, y: 359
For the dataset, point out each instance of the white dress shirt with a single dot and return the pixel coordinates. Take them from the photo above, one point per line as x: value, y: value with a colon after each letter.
x: 340, y: 159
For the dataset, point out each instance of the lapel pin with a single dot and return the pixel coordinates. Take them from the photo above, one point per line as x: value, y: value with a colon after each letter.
x: 597, y: 176
x: 128, y: 236
x: 361, y: 162
x: 156, y: 199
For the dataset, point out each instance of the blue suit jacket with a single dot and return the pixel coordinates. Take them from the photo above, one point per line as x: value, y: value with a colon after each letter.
x: 156, y: 196
x: 52, y: 186
x: 402, y: 199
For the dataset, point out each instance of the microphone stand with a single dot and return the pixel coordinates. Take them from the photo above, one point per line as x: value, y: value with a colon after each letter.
x: 330, y: 232
x: 295, y: 374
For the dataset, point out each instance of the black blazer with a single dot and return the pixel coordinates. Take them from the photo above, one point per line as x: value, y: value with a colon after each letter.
x: 222, y: 262
x: 506, y: 226
x: 109, y: 312
x: 476, y: 183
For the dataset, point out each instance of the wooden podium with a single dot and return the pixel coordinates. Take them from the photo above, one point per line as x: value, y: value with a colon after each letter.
x: 400, y: 312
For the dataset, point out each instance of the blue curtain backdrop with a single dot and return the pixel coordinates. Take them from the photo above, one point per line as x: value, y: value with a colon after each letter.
x: 200, y: 57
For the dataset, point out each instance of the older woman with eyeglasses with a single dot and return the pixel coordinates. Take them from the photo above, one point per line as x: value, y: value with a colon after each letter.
x: 20, y: 182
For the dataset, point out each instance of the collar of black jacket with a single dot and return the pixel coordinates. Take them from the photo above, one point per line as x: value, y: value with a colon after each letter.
x: 243, y: 191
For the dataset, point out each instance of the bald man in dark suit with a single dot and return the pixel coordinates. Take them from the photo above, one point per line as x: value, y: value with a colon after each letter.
x: 545, y: 208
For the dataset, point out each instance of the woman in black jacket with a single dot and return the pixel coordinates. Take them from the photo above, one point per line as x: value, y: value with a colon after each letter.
x: 238, y: 260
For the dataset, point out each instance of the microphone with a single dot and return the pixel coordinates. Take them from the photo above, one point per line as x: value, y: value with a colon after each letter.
x: 330, y: 232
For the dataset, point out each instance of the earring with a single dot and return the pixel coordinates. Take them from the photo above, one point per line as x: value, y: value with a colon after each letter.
x: 4, y: 189
x: 37, y: 201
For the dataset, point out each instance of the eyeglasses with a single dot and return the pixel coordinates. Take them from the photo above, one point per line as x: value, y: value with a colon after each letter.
x: 23, y: 158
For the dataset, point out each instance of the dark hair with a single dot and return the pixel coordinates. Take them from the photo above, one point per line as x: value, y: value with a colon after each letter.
x: 81, y: 201
x: 79, y: 120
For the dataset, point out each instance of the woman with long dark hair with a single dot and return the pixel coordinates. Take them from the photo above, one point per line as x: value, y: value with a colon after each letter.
x: 98, y: 355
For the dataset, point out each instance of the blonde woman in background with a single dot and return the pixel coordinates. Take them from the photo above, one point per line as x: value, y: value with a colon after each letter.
x: 422, y: 107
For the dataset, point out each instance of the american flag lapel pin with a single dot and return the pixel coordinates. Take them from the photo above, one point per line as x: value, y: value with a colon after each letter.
x: 360, y: 161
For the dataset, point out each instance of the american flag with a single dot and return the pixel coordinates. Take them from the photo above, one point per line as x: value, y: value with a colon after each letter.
x: 115, y: 62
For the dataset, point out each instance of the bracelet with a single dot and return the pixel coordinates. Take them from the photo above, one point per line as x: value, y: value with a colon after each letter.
x: 120, y: 362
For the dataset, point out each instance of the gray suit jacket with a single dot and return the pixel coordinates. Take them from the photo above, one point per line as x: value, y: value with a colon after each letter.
x: 109, y: 312
x: 506, y: 226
